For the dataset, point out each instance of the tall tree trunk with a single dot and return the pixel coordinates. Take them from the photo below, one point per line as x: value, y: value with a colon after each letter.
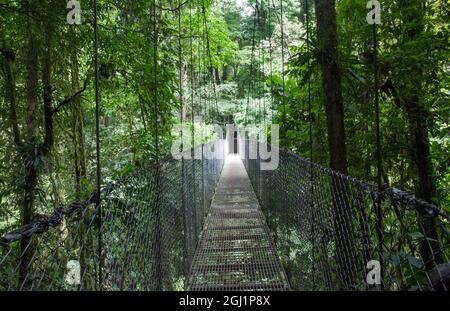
x: 8, y: 58
x: 331, y: 83
x: 420, y: 154
x: 33, y: 149
x: 32, y: 86
x: 235, y: 72
x: 216, y: 69
x: 78, y: 129
x: 29, y: 155
x: 183, y: 108
x: 80, y: 172
x: 418, y: 120
x: 225, y: 73
x: 47, y: 89
x: 217, y: 75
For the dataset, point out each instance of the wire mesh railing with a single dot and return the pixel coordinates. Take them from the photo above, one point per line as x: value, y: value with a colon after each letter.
x: 334, y: 232
x: 327, y: 228
x: 145, y: 238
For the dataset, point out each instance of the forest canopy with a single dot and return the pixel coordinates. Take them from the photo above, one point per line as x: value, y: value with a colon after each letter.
x: 243, y: 62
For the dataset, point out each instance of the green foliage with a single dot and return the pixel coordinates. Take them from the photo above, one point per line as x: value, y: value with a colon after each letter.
x: 240, y: 79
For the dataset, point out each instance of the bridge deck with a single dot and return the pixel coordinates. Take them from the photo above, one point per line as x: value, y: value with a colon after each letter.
x: 236, y: 251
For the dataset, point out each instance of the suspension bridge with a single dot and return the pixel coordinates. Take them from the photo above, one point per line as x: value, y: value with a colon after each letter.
x: 220, y: 222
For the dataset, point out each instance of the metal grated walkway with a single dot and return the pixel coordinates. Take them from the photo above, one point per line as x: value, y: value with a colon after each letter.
x: 236, y: 251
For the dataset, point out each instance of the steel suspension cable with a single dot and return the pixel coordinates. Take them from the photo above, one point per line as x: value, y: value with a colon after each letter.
x: 199, y: 69
x: 271, y: 63
x: 204, y: 111
x: 310, y: 122
x: 310, y: 117
x: 157, y: 234
x: 258, y: 101
x: 155, y: 80
x: 282, y: 74
x: 284, y: 117
x: 207, y: 109
x: 263, y: 32
x: 97, y: 146
x: 261, y: 72
x: 208, y: 50
x: 180, y: 74
x: 185, y: 203
x: 191, y: 79
x: 250, y: 82
x: 191, y: 82
x: 378, y: 145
